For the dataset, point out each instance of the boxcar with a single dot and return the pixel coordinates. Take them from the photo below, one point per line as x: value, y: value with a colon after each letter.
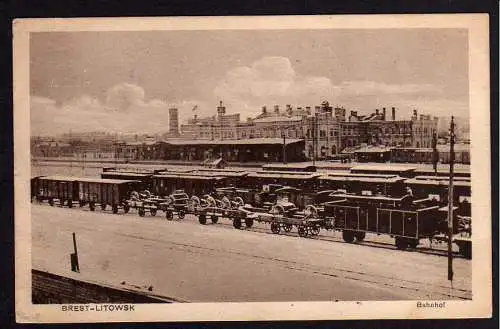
x: 192, y: 184
x: 403, y: 171
x: 144, y: 178
x: 301, y: 180
x: 112, y: 192
x: 433, y: 187
x: 458, y: 172
x: 408, y: 222
x: 370, y: 184
x: 63, y: 189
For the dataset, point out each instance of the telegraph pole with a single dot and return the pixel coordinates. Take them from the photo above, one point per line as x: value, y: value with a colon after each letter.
x: 450, y: 200
x: 435, y: 154
x: 284, y: 148
x: 313, y: 135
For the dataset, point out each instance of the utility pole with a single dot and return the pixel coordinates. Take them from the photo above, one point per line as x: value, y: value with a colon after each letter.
x: 284, y: 148
x: 313, y: 135
x: 450, y: 200
x: 435, y: 154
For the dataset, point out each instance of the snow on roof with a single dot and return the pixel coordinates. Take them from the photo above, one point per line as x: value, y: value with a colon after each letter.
x: 287, y: 175
x: 86, y: 179
x: 443, y: 182
x: 386, y: 168
x: 394, y: 179
x: 251, y: 141
x: 278, y: 119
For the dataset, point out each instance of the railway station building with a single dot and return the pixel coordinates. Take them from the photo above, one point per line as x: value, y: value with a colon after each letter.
x: 325, y: 130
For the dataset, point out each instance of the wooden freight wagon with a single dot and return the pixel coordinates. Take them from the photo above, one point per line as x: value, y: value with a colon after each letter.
x: 436, y: 187
x: 302, y: 180
x: 369, y: 184
x: 145, y: 179
x: 192, y: 184
x: 104, y: 192
x: 406, y: 221
x: 63, y: 189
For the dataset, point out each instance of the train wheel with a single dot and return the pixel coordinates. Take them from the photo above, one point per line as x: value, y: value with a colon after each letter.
x: 360, y: 236
x: 51, y: 202
x: 315, y: 230
x: 126, y: 208
x: 413, y: 243
x: 302, y: 231
x: 237, y: 223
x: 348, y: 236
x: 287, y: 227
x: 275, y: 228
x: 169, y: 214
x: 92, y: 206
x: 202, y: 219
x: 215, y: 219
x: 248, y: 222
x: 115, y: 209
x: 181, y: 214
x: 70, y: 203
x: 142, y: 212
x: 401, y: 243
x: 152, y: 211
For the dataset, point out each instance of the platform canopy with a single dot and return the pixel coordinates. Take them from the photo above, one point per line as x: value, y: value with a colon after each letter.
x: 250, y: 141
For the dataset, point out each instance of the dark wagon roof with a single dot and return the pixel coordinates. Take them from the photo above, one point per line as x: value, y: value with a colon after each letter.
x: 59, y: 178
x: 190, y: 176
x: 393, y: 179
x: 438, y: 182
x: 286, y: 175
x: 124, y: 173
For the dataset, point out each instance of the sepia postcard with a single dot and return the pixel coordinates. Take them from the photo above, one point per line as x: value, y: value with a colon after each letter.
x: 252, y: 168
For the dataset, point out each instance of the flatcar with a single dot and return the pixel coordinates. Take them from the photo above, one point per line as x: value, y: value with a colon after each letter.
x: 405, y: 220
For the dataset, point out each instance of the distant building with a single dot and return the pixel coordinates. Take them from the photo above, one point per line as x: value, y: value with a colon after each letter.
x: 326, y: 130
x: 173, y: 122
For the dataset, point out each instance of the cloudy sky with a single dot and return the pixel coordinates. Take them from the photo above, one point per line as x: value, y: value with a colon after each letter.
x: 125, y: 81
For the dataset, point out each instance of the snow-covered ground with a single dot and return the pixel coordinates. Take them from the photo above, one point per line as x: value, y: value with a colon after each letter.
x: 216, y: 263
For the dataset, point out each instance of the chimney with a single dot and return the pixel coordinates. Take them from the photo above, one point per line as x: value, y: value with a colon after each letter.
x: 221, y: 110
x: 393, y: 113
x: 276, y: 109
x: 383, y: 113
x: 264, y: 110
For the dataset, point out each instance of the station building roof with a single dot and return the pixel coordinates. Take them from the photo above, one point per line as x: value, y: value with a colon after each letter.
x: 383, y: 168
x: 250, y: 141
